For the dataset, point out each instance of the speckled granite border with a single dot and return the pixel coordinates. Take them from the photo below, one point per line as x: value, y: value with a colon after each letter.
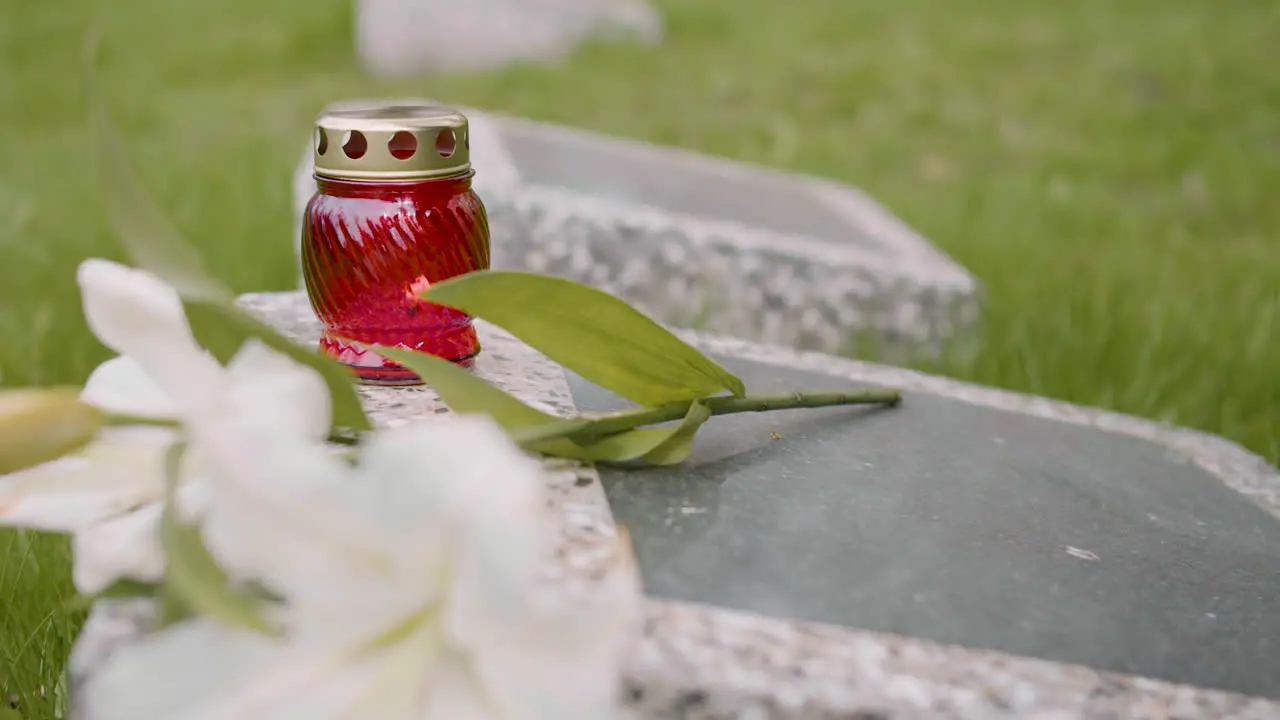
x: 696, y: 662
x: 707, y: 663
x: 714, y: 273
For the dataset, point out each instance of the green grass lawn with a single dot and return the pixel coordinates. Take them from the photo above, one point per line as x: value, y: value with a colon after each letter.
x: 1108, y: 169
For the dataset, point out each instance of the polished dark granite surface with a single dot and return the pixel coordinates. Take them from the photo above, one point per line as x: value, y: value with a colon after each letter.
x: 966, y: 525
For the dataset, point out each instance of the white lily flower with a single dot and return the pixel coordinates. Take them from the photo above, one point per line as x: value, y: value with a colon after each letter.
x: 161, y: 372
x: 411, y: 592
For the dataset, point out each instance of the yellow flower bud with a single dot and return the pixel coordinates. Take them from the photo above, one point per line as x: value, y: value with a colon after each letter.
x: 38, y: 425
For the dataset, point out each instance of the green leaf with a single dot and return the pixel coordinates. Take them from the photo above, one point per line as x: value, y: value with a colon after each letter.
x: 669, y: 445
x: 192, y: 575
x: 590, y: 332
x: 626, y: 445
x: 466, y: 393
x: 153, y: 245
x: 676, y: 448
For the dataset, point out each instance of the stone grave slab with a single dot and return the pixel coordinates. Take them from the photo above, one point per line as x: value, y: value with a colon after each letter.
x: 704, y: 242
x: 963, y: 556
x: 398, y: 37
x: 964, y: 524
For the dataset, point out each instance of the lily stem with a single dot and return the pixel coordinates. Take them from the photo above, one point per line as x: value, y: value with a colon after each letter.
x: 611, y: 423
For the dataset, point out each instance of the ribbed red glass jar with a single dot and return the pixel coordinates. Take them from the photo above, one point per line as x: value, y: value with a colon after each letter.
x: 393, y: 213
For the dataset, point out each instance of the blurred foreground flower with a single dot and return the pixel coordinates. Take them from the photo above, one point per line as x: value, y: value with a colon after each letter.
x: 107, y: 495
x: 410, y: 590
x: 405, y: 584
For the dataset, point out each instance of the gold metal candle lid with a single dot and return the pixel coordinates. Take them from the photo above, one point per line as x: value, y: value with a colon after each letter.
x: 392, y: 142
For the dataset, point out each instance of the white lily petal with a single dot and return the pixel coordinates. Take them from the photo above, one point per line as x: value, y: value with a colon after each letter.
x: 564, y: 659
x: 453, y: 693
x: 121, y: 385
x: 398, y: 675
x: 307, y: 685
x: 205, y: 671
x: 281, y: 511
x: 105, y: 479
x: 177, y: 673
x: 285, y: 511
x: 128, y: 545
x: 136, y: 314
x: 279, y: 394
x: 468, y: 477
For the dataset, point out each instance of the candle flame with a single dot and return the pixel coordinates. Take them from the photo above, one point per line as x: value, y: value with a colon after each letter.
x: 417, y: 287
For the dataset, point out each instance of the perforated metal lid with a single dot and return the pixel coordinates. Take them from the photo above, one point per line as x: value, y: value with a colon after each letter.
x: 392, y: 142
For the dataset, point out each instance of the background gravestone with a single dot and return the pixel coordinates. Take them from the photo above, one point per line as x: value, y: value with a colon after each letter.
x: 699, y: 241
x: 408, y: 36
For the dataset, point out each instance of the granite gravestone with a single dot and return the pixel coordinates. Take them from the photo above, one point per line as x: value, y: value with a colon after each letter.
x: 698, y: 241
x: 397, y: 37
x: 964, y: 524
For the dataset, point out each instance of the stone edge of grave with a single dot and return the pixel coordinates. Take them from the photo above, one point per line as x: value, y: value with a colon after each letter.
x: 707, y: 662
x: 910, y: 295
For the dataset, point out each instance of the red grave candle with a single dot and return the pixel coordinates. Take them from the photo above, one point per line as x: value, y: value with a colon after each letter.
x: 393, y: 213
